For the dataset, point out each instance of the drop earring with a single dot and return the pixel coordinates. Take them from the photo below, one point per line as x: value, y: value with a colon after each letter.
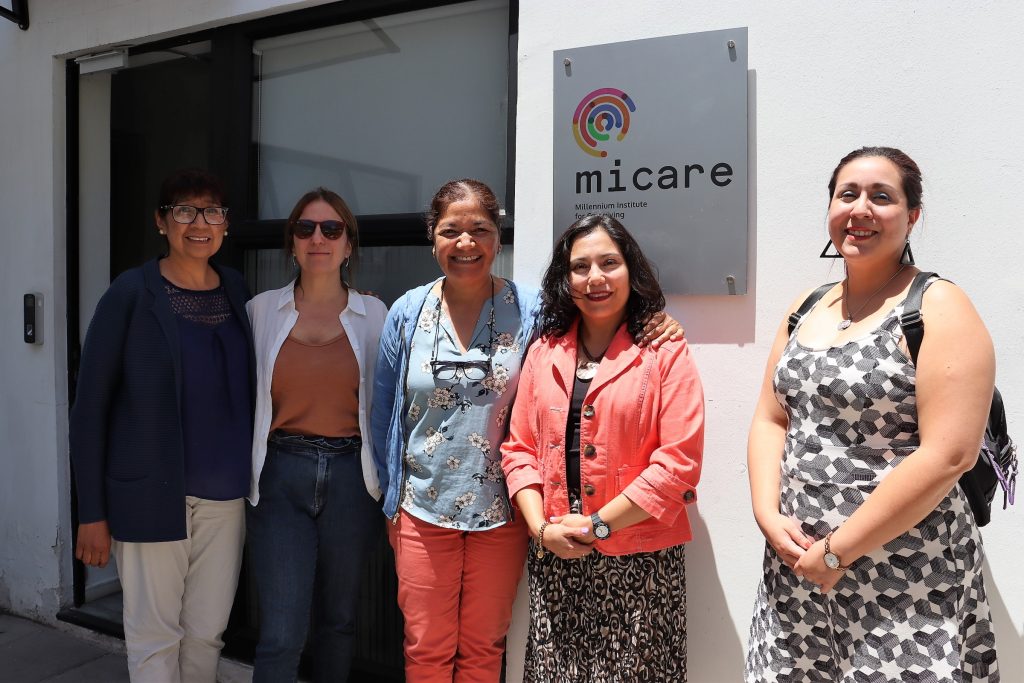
x: 907, y: 257
x: 825, y: 254
x: 162, y: 232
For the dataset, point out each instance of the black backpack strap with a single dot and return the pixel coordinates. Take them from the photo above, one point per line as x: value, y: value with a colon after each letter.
x: 808, y: 304
x: 911, y: 319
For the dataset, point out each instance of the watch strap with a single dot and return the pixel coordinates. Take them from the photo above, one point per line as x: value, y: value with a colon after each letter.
x: 828, y: 551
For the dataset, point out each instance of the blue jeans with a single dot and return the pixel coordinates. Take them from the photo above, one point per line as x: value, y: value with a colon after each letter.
x: 310, y: 535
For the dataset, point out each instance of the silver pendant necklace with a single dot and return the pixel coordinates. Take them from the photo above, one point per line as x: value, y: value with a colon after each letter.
x: 586, y: 370
x: 846, y: 322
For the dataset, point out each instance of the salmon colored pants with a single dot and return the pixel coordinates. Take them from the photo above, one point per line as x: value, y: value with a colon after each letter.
x: 456, y: 590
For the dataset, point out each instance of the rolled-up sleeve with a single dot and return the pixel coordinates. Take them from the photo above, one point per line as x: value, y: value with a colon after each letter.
x: 669, y: 482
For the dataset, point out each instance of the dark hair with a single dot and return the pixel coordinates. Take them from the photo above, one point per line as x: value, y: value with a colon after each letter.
x: 190, y: 182
x: 910, y: 174
x: 456, y: 191
x: 340, y: 208
x: 558, y: 306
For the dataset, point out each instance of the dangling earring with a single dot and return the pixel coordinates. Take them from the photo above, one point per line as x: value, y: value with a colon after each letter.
x: 345, y: 264
x: 295, y: 264
x: 907, y: 257
x: 499, y: 248
x: 825, y: 254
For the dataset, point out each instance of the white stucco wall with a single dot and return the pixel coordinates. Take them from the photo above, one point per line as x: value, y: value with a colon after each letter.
x: 940, y: 80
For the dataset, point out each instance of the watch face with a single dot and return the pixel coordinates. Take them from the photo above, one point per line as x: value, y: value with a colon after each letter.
x: 601, y: 531
x: 831, y: 560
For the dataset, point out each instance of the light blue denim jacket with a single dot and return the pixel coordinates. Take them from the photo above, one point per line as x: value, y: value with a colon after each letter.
x: 387, y: 420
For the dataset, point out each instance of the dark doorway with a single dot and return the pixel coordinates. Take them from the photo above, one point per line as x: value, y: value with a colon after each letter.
x: 160, y: 120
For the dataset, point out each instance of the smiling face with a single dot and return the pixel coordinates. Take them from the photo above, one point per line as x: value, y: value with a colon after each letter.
x: 465, y: 241
x: 317, y: 254
x: 868, y: 217
x: 598, y: 277
x: 196, y: 240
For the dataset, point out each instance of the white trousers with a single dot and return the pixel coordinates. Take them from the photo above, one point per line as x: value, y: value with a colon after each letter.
x: 178, y: 594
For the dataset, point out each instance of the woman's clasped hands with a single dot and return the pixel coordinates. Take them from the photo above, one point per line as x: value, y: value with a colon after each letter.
x: 799, y: 552
x: 569, y: 536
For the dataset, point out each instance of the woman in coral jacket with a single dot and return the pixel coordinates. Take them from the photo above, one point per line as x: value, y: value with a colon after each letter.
x: 602, y: 459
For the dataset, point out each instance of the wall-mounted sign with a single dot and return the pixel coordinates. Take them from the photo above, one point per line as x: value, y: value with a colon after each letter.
x: 654, y: 132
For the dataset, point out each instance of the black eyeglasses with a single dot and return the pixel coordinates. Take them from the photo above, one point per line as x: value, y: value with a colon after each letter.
x: 304, y: 229
x: 472, y: 370
x: 183, y: 213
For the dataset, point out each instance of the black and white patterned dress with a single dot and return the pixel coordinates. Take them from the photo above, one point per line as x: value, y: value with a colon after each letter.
x: 913, y: 610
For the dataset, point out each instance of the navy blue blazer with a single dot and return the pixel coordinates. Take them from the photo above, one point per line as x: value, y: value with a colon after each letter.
x: 126, y: 435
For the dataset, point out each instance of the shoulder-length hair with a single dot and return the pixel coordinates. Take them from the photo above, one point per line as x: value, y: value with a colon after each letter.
x: 558, y: 305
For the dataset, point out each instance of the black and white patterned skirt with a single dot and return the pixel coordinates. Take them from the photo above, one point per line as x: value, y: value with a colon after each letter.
x: 604, y: 619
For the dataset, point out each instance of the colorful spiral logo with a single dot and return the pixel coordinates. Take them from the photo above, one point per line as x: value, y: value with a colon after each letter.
x: 599, y: 113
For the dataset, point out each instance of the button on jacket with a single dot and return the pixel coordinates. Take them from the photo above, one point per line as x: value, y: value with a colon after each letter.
x: 273, y: 316
x: 644, y: 417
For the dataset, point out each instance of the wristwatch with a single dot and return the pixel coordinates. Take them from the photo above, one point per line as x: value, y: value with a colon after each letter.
x: 832, y: 560
x: 601, y: 529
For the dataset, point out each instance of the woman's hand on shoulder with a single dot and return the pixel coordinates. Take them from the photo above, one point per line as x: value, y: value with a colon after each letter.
x: 659, y: 329
x: 785, y: 537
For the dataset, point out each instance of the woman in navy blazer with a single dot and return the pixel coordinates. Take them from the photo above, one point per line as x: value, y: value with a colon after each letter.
x: 160, y: 435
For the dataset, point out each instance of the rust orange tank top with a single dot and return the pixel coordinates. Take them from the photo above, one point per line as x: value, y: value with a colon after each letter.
x: 315, y: 389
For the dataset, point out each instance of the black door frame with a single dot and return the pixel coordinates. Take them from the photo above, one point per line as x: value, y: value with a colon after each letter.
x: 233, y: 158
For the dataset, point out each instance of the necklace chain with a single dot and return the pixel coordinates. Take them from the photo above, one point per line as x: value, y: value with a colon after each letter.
x: 846, y: 322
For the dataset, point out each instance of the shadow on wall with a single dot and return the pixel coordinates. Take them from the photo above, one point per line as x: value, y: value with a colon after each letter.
x: 729, y: 319
x: 1009, y: 634
x: 714, y: 650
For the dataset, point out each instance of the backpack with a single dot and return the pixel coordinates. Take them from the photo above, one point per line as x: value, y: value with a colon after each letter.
x: 997, y: 461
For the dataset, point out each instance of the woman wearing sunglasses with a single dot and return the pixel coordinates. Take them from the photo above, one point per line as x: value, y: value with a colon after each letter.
x: 446, y: 376
x: 314, y: 511
x: 160, y: 438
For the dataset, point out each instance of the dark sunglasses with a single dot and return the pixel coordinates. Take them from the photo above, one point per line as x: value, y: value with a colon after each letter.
x: 304, y: 229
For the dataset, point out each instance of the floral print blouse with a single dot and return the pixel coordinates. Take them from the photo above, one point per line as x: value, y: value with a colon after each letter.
x: 453, y: 475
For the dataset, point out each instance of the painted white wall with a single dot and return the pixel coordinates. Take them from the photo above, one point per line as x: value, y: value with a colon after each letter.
x: 35, y: 535
x: 939, y: 80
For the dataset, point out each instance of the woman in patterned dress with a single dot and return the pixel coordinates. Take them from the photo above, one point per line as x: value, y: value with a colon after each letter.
x: 873, y: 561
x: 603, y: 457
x: 446, y: 375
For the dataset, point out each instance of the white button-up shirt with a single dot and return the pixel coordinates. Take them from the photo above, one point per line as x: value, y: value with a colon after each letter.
x: 273, y: 315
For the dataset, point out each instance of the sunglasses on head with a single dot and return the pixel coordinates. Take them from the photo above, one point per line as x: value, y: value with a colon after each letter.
x: 304, y: 228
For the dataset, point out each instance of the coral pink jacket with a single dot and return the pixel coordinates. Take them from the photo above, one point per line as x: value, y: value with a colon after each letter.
x: 644, y: 416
